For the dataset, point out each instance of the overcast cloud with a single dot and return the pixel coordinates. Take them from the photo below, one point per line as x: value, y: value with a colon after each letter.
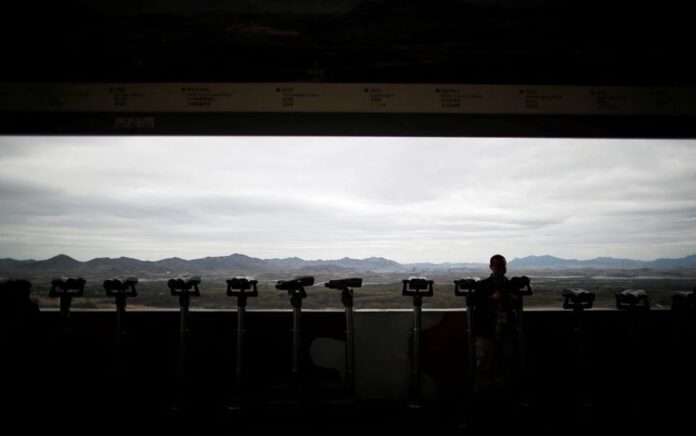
x: 407, y: 199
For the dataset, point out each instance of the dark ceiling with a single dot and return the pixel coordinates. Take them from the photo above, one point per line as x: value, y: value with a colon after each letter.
x: 416, y: 41
x: 532, y: 42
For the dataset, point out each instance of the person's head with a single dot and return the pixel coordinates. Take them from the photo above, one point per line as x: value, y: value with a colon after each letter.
x: 498, y: 265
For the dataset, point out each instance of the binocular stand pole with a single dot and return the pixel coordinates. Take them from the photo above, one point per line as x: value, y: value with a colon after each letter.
x: 184, y: 302
x: 524, y: 391
x: 580, y: 337
x: 184, y: 289
x: 578, y: 300
x: 242, y: 288
x: 181, y: 402
x: 296, y: 291
x: 465, y: 288
x: 120, y: 290
x: 682, y: 311
x: 66, y: 289
x: 472, y: 340
x: 347, y: 299
x: 417, y: 330
x: 65, y: 302
x: 345, y: 286
x: 635, y: 302
x: 417, y: 287
x: 239, y: 369
x: 241, y: 331
x: 120, y: 325
x: 296, y: 302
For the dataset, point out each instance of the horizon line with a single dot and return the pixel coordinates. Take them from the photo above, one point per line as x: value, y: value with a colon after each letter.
x: 484, y: 262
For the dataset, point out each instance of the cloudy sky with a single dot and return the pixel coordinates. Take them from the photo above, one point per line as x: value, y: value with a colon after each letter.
x: 407, y: 199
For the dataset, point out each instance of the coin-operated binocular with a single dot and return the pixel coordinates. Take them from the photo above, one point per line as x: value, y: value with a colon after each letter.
x: 632, y: 299
x: 121, y: 290
x: 521, y: 286
x: 465, y: 287
x: 295, y: 288
x: 577, y: 299
x: 66, y: 288
x: 346, y: 287
x: 242, y: 288
x: 417, y: 288
x: 684, y: 301
x: 635, y: 303
x: 184, y: 288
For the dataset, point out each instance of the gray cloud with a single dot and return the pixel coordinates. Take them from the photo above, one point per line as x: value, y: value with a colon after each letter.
x: 410, y: 199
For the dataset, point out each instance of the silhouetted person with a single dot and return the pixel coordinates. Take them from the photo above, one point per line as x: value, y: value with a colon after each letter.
x: 18, y: 313
x: 19, y: 346
x: 494, y: 327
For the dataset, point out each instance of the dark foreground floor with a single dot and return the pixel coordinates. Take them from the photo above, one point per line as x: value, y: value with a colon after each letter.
x: 52, y: 384
x: 484, y: 416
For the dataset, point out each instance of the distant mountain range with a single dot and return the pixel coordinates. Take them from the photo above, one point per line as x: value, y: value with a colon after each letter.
x: 242, y: 264
x: 232, y: 264
x: 551, y: 262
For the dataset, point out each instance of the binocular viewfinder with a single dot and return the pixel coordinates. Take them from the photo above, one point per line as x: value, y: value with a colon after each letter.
x: 521, y: 285
x: 576, y: 298
x: 242, y: 286
x: 632, y: 299
x: 125, y: 287
x: 180, y: 286
x: 463, y: 287
x: 417, y: 286
x: 684, y: 300
x: 342, y: 284
x: 72, y: 287
x: 296, y: 284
